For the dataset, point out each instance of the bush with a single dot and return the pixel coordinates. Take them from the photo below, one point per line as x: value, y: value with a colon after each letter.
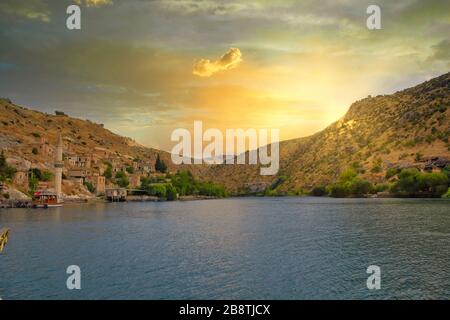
x: 338, y: 190
x: 46, y: 176
x: 391, y: 173
x: 447, y: 195
x: 108, y: 172
x: 34, y: 151
x: 89, y: 186
x: 32, y: 184
x: 36, y: 134
x: 159, y: 190
x: 211, y: 189
x: 319, y: 191
x: 171, y: 192
x: 414, y: 182
x: 360, y: 186
x: 381, y: 187
x: 6, y: 171
x: 130, y: 170
x: 184, y: 182
x: 349, y: 184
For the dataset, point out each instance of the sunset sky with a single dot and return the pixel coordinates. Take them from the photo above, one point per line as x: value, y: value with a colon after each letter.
x: 144, y: 68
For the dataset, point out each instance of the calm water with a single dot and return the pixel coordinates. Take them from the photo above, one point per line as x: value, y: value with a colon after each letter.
x: 249, y: 248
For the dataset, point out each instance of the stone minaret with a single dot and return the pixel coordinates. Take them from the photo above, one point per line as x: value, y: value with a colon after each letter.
x: 59, y: 164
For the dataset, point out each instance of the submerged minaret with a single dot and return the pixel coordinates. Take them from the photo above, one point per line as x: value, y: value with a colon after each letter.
x: 59, y: 164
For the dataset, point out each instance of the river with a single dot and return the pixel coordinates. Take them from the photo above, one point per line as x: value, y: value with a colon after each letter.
x: 237, y: 248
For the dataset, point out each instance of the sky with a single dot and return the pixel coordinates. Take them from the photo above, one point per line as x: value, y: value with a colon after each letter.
x: 146, y: 67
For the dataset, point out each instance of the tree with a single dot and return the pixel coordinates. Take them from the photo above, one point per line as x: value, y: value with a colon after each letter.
x: 32, y: 183
x: 160, y: 165
x: 130, y: 169
x: 156, y: 189
x: 122, y: 179
x: 414, y: 182
x: 360, y: 186
x: 108, y: 172
x: 6, y: 171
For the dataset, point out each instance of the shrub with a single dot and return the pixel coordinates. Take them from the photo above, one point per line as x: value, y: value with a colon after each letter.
x: 6, y: 171
x: 108, y: 172
x: 122, y: 179
x: 89, y: 186
x: 381, y: 187
x: 130, y: 170
x: 319, y: 191
x: 447, y: 195
x: 413, y: 182
x: 391, y: 173
x: 211, y: 189
x: 338, y: 190
x: 171, y: 192
x: 36, y: 134
x: 159, y: 190
x: 34, y: 151
x: 360, y: 186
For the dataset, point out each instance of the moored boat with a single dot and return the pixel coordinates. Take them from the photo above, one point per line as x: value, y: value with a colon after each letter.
x: 46, y: 199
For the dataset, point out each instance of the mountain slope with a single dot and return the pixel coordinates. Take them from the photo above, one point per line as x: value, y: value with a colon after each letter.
x: 405, y: 129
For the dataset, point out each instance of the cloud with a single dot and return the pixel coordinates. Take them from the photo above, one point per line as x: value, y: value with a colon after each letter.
x: 31, y: 9
x: 94, y: 3
x: 206, y: 68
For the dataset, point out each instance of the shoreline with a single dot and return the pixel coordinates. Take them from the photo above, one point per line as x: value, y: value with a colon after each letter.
x: 26, y: 204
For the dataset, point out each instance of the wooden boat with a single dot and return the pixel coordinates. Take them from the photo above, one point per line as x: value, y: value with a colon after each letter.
x: 46, y: 199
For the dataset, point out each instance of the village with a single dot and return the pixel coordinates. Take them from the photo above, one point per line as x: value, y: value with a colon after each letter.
x: 77, y: 177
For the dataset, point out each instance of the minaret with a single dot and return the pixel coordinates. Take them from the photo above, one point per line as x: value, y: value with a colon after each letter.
x: 59, y: 164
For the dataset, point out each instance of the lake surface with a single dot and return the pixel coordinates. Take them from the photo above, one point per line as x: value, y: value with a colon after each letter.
x: 238, y: 248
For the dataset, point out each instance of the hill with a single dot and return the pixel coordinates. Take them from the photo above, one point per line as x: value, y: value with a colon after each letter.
x: 410, y: 128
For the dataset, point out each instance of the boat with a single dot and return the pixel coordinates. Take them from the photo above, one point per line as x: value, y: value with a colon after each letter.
x: 46, y: 199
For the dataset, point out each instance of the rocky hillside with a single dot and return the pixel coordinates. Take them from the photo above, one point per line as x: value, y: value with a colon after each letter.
x: 410, y: 128
x: 22, y: 129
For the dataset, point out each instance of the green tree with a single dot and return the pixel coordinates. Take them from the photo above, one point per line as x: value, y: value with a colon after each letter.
x: 156, y: 189
x: 130, y: 169
x: 108, y: 172
x: 32, y: 183
x: 160, y: 165
x: 184, y: 182
x: 122, y: 179
x: 360, y: 186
